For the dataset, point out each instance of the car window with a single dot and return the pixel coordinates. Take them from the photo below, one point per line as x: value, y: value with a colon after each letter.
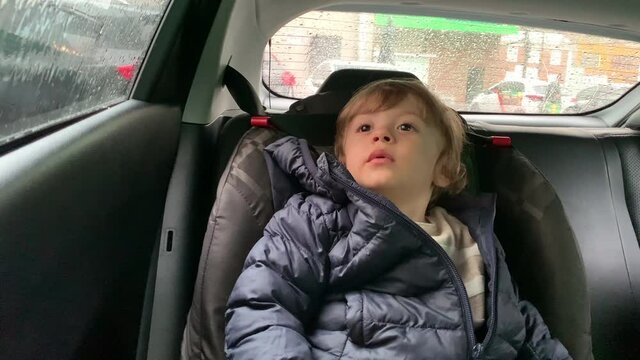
x: 63, y: 58
x: 595, y: 97
x: 321, y: 73
x: 472, y: 66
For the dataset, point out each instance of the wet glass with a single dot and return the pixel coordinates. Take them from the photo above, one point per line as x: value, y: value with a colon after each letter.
x: 63, y: 58
x: 472, y: 66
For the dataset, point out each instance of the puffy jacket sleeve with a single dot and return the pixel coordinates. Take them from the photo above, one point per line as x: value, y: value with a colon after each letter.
x: 280, y: 287
x: 539, y: 344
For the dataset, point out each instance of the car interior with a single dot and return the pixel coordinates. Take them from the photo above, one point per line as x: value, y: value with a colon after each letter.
x: 123, y: 230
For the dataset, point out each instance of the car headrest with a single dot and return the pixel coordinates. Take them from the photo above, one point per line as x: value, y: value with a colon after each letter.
x: 351, y: 80
x: 339, y: 87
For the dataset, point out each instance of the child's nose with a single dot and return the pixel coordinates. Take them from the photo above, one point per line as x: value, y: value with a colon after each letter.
x: 383, y: 138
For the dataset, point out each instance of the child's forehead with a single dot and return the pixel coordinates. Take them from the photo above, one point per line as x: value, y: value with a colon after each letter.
x: 376, y: 102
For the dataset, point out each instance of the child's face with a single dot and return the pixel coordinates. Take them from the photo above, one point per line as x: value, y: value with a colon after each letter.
x: 394, y: 152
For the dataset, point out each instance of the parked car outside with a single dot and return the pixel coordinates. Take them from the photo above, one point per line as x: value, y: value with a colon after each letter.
x: 595, y: 97
x: 512, y: 96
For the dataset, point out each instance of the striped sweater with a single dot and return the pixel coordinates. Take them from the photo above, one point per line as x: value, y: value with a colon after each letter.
x: 453, y: 236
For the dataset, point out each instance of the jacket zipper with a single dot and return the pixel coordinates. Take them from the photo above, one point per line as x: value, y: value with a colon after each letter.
x: 491, y: 326
x: 474, y: 348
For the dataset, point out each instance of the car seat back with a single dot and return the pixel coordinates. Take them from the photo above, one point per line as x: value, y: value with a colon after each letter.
x: 245, y: 203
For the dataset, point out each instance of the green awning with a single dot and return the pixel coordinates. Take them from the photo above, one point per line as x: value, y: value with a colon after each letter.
x: 443, y: 24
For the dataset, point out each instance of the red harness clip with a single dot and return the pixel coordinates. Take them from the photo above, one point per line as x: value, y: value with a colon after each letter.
x: 261, y: 121
x: 501, y: 141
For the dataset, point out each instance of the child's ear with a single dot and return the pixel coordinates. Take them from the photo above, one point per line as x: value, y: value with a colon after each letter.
x: 440, y: 177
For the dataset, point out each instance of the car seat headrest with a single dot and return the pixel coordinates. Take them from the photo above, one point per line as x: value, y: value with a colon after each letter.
x: 350, y: 80
x: 339, y: 87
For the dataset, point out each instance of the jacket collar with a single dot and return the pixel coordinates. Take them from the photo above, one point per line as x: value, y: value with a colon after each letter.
x: 381, y: 237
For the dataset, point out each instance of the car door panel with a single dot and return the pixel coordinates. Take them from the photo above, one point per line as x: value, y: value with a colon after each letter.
x: 80, y: 212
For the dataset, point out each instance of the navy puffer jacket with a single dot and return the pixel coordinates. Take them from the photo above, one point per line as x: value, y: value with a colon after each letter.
x: 341, y: 273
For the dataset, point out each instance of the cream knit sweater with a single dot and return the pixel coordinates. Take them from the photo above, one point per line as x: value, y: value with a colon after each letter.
x: 453, y: 236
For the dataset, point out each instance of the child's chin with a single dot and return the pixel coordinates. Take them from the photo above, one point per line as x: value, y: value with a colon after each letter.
x: 378, y: 179
x: 380, y: 186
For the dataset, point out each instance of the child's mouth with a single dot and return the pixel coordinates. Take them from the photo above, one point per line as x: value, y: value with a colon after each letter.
x: 380, y: 156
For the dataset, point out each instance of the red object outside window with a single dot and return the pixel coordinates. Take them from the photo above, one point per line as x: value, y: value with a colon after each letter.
x: 288, y: 78
x: 127, y: 71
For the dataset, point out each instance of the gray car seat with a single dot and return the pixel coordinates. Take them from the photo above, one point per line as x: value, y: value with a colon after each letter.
x: 244, y: 204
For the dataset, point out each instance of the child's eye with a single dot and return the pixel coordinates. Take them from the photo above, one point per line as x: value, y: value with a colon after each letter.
x: 406, y: 127
x: 364, y: 128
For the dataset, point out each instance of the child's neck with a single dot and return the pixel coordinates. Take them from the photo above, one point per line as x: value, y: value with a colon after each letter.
x: 414, y: 207
x: 415, y: 213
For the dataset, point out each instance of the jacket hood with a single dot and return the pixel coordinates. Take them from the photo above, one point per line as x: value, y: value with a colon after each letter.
x: 306, y: 170
x: 292, y: 158
x: 381, y: 240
